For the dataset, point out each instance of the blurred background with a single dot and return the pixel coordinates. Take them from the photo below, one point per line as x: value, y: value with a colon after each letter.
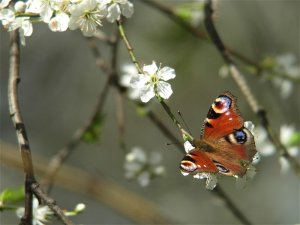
x: 60, y: 85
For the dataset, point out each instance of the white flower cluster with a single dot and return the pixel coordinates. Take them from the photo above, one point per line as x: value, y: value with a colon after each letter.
x: 286, y: 66
x: 212, y: 179
x: 141, y: 167
x: 86, y: 15
x: 267, y: 148
x: 148, y: 84
x: 40, y: 214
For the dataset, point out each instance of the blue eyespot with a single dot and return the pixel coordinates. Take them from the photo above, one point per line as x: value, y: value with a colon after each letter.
x: 221, y: 168
x: 240, y: 136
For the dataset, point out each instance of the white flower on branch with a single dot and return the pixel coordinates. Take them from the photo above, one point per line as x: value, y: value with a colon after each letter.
x: 24, y: 25
x: 20, y: 7
x: 152, y: 82
x: 59, y: 22
x: 4, y: 4
x: 264, y: 146
x: 211, y: 179
x: 188, y: 146
x: 128, y: 71
x: 87, y: 16
x: 142, y: 167
x: 118, y: 7
x: 286, y: 133
x: 7, y: 16
x: 40, y: 214
x: 286, y: 65
x: 42, y: 7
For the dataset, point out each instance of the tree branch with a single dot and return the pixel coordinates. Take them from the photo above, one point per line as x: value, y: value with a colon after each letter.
x: 15, y: 113
x: 160, y: 125
x: 244, y: 87
x: 14, y: 109
x: 129, y: 204
x: 195, y: 31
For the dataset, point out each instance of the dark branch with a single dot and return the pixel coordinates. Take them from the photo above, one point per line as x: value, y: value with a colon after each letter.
x: 31, y: 186
x: 14, y: 109
x: 244, y: 87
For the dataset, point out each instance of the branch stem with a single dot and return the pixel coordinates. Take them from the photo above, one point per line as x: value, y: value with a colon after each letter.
x: 244, y: 87
x: 14, y: 109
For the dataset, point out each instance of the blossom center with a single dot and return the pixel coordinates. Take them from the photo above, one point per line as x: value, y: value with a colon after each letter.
x: 154, y: 79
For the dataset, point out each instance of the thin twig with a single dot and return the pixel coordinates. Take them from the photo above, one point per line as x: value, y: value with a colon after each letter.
x: 13, y: 101
x: 129, y: 47
x: 230, y: 205
x: 118, y: 94
x: 50, y: 203
x: 163, y: 128
x: 193, y: 30
x: 123, y: 201
x: 244, y: 87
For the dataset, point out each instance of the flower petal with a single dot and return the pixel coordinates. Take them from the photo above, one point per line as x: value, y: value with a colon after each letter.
x: 144, y: 178
x: 139, y: 81
x: 188, y: 146
x: 164, y: 89
x: 114, y: 13
x: 127, y: 9
x: 166, y: 73
x: 147, y: 93
x: 150, y: 69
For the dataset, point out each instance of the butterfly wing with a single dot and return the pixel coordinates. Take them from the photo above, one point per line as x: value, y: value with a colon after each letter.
x: 232, y: 144
x: 225, y: 142
x: 222, y: 118
x: 197, y: 161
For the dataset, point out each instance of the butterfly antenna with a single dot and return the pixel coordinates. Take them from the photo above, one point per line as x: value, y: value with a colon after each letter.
x: 179, y: 113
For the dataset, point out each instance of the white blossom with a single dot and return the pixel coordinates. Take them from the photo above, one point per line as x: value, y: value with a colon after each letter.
x: 24, y: 25
x: 286, y: 66
x: 211, y: 179
x: 242, y: 181
x: 40, y: 214
x: 42, y: 7
x: 59, y: 22
x: 20, y: 6
x: 142, y: 167
x: 284, y: 164
x: 4, y: 4
x: 264, y: 146
x: 128, y: 71
x: 188, y: 146
x: 87, y: 16
x: 152, y: 82
x: 118, y: 7
x: 7, y: 16
x: 286, y: 132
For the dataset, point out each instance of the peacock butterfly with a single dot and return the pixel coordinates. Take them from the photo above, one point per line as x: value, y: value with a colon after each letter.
x: 226, y: 146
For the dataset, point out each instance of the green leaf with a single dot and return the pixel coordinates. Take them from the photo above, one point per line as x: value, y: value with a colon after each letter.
x: 14, y: 194
x: 93, y: 133
x: 268, y: 63
x: 184, y: 13
x: 294, y: 139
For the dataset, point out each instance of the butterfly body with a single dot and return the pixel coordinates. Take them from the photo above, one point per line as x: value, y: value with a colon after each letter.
x: 225, y: 146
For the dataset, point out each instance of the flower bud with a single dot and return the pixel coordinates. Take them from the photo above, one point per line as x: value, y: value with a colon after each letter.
x: 20, y: 6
